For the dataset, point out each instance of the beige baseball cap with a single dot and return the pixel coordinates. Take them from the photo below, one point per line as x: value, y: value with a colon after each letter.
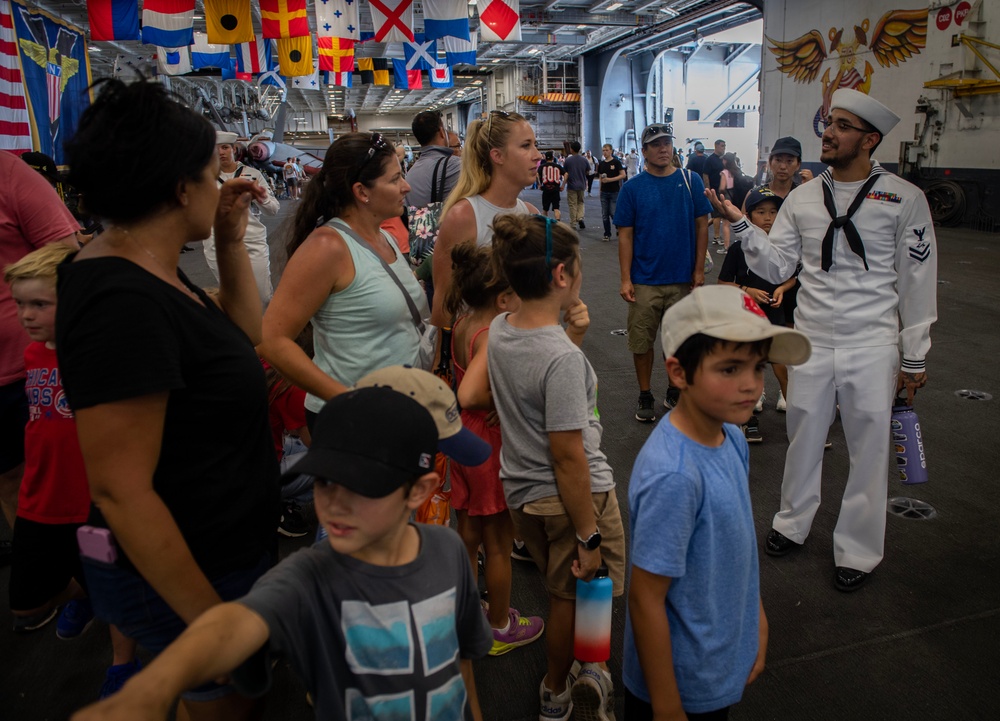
x: 454, y: 440
x: 727, y: 313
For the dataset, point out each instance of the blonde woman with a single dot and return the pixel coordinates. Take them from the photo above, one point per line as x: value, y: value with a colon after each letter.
x: 499, y: 161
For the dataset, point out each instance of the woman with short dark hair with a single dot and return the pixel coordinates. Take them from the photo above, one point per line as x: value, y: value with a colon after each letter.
x: 169, y: 395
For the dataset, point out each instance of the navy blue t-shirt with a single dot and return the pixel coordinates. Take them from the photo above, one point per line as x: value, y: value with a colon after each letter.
x: 661, y: 212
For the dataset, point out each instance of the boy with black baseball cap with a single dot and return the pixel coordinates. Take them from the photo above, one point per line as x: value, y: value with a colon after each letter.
x: 382, y: 618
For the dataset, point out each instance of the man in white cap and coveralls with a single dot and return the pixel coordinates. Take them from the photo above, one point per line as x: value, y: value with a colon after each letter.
x: 868, y: 288
x: 255, y: 238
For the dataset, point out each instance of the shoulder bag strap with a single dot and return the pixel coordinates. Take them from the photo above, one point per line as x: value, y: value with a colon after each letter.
x: 346, y: 229
x: 437, y: 188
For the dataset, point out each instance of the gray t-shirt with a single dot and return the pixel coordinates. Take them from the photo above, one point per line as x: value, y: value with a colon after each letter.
x: 542, y: 383
x: 374, y: 641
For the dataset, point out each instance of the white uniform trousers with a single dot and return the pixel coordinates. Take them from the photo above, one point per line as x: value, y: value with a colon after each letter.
x: 261, y: 265
x: 863, y: 381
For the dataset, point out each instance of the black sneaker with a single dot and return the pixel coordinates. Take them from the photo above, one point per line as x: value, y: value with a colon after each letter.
x: 751, y: 431
x: 519, y: 552
x: 670, y: 400
x: 292, y: 523
x: 644, y: 411
x: 607, y: 238
x: 582, y: 224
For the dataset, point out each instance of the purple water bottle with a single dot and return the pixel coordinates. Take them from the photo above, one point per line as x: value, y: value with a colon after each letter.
x: 592, y: 639
x: 908, y: 443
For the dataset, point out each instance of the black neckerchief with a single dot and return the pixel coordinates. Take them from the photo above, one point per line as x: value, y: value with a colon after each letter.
x: 844, y: 221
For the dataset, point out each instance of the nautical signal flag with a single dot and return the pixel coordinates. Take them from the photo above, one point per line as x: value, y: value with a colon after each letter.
x: 373, y: 70
x: 393, y: 20
x: 500, y: 20
x: 284, y: 18
x: 207, y: 55
x: 254, y: 57
x: 444, y: 18
x: 336, y: 55
x: 113, y: 19
x: 343, y: 80
x: 309, y: 81
x: 338, y: 19
x: 295, y: 56
x: 441, y: 77
x: 173, y: 61
x: 461, y: 52
x: 404, y: 79
x: 168, y: 23
x: 421, y: 54
x: 228, y: 21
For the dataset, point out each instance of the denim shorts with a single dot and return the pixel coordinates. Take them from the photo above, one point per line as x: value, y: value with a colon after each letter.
x: 125, y: 599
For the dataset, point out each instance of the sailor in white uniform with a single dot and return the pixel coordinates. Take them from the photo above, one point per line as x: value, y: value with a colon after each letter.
x: 255, y: 238
x: 868, y: 288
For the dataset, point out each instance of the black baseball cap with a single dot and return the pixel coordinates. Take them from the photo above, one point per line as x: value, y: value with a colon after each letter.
x: 758, y: 195
x: 787, y: 146
x: 43, y: 164
x: 370, y: 441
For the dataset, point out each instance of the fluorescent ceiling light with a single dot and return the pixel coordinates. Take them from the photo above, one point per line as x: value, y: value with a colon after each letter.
x: 496, y: 60
x: 613, y: 6
x: 669, y: 11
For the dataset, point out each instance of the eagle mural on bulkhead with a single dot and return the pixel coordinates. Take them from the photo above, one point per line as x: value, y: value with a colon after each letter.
x: 898, y: 36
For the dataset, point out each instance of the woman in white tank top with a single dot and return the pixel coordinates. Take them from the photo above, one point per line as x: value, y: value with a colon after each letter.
x: 499, y: 161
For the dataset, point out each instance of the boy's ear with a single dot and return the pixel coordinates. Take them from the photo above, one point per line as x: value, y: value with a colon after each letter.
x: 422, y: 489
x: 675, y: 372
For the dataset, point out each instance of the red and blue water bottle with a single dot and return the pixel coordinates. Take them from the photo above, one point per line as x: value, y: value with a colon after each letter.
x: 592, y: 639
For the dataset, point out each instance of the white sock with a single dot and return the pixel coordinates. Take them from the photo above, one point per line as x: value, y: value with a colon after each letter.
x: 506, y: 628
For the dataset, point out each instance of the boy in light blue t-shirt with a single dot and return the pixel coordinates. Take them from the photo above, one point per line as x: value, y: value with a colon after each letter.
x: 696, y: 632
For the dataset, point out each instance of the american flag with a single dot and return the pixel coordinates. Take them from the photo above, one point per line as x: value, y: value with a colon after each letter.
x: 15, y: 130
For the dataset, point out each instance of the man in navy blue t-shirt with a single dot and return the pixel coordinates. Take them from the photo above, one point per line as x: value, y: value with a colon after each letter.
x: 662, y: 219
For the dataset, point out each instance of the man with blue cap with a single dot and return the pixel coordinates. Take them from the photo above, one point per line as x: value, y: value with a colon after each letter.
x: 868, y: 288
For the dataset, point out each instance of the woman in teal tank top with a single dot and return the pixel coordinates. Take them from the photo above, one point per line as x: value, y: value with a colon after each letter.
x: 338, y: 275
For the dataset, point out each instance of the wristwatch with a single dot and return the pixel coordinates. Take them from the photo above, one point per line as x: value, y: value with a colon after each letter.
x: 591, y: 542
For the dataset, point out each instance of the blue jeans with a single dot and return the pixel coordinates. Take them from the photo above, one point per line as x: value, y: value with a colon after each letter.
x: 125, y: 599
x: 609, y: 201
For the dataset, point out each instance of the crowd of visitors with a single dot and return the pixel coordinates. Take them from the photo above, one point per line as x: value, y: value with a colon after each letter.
x: 144, y: 418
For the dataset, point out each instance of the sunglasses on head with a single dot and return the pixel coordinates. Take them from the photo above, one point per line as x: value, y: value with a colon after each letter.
x: 377, y: 143
x: 489, y: 125
x: 653, y: 130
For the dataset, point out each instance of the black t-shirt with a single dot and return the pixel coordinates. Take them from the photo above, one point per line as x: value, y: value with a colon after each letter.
x: 123, y: 333
x: 550, y: 174
x: 735, y: 270
x: 696, y: 163
x: 611, y: 168
x: 713, y: 168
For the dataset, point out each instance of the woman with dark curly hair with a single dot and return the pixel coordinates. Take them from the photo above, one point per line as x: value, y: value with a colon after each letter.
x: 169, y: 396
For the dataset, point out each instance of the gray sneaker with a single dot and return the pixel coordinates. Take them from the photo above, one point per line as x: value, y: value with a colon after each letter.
x: 644, y: 411
x: 593, y: 694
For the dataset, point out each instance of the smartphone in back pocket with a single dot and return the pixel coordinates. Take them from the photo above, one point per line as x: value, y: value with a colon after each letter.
x: 97, y: 544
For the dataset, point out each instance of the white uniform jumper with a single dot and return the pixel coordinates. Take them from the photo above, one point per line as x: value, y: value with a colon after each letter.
x: 255, y: 238
x: 852, y: 316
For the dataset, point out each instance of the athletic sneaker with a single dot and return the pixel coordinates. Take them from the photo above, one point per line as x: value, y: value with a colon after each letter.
x: 781, y: 406
x: 606, y: 239
x: 722, y: 251
x: 521, y: 631
x: 293, y: 523
x: 670, y: 400
x: 582, y: 224
x: 116, y: 677
x: 556, y: 708
x: 520, y: 552
x: 26, y: 624
x: 751, y: 431
x: 593, y: 694
x: 760, y: 403
x: 75, y: 618
x: 644, y: 411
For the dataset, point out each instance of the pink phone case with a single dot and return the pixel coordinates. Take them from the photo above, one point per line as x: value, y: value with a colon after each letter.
x: 97, y: 544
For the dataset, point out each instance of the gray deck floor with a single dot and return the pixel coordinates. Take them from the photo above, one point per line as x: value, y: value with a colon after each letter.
x: 920, y: 641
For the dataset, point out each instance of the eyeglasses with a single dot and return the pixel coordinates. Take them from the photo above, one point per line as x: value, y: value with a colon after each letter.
x: 377, y: 143
x: 653, y: 130
x: 489, y: 125
x: 842, y: 126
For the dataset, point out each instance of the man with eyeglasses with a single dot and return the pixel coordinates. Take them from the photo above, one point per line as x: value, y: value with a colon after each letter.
x: 662, y: 219
x: 455, y: 143
x: 866, y: 243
